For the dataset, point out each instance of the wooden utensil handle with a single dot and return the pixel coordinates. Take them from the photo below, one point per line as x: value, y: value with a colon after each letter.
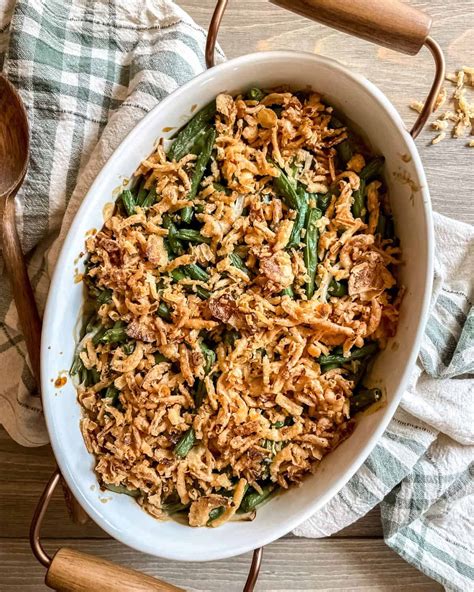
x: 21, y: 287
x: 73, y: 571
x: 390, y: 23
x: 28, y: 315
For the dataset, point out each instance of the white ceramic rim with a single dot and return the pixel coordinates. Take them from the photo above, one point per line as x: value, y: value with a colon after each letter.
x: 54, y: 302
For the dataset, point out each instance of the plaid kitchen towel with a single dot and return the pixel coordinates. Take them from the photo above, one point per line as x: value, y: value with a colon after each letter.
x: 80, y: 64
x: 422, y: 469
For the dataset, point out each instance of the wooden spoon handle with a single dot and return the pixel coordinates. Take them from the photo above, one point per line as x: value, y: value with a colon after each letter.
x: 28, y: 314
x: 73, y: 571
x: 390, y: 23
x: 21, y: 287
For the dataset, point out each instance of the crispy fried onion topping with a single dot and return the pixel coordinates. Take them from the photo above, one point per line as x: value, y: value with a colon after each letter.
x: 229, y: 358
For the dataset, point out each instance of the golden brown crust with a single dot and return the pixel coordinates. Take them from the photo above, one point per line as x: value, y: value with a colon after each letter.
x: 269, y: 411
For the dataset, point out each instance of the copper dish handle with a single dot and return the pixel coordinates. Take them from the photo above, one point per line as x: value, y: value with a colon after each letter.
x: 390, y: 23
x: 73, y: 571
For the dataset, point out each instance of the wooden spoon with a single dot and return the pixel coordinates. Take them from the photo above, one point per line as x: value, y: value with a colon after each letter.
x: 14, y: 157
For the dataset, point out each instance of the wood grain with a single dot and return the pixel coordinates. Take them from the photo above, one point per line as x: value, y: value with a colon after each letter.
x: 20, y: 284
x: 391, y: 23
x: 14, y: 156
x: 73, y: 571
x: 294, y: 565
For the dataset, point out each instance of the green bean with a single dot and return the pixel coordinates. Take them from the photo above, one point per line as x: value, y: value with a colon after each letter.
x: 209, y: 355
x: 372, y: 169
x: 89, y: 264
x: 299, y: 221
x: 363, y: 398
x: 310, y: 253
x: 187, y: 214
x: 287, y: 292
x: 191, y: 236
x: 196, y: 272
x: 93, y: 324
x: 219, y: 187
x: 104, y: 296
x: 174, y: 244
x: 87, y: 325
x: 358, y: 205
x: 192, y: 133
x: 93, y: 292
x: 237, y: 262
x: 181, y: 274
x: 92, y: 377
x: 174, y: 508
x: 326, y: 367
x: 99, y: 334
x: 200, y: 393
x: 129, y: 347
x: 116, y: 334
x: 252, y: 499
x: 344, y: 149
x: 361, y: 370
x: 255, y: 94
x: 123, y: 489
x: 112, y: 392
x: 324, y: 199
x: 337, y: 288
x: 287, y: 190
x: 242, y: 251
x: 142, y: 192
x: 356, y: 354
x: 202, y: 292
x: 159, y: 358
x: 185, y: 443
x: 128, y: 202
x: 83, y: 375
x: 199, y: 169
x: 385, y: 226
x: 286, y: 422
x: 149, y: 199
x: 178, y: 274
x: 230, y: 337
x: 381, y: 224
x: 273, y: 447
x: 76, y: 365
x: 202, y: 161
x: 215, y: 513
x: 164, y: 311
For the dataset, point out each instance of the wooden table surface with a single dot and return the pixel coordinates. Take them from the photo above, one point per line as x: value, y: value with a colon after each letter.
x: 357, y: 558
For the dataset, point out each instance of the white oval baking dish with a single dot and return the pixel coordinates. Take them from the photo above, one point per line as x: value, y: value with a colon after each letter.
x: 370, y: 110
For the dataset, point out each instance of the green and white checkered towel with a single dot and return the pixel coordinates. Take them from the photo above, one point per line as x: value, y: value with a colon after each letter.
x: 82, y: 64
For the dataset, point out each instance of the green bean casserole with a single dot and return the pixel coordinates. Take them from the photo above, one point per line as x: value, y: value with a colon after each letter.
x: 239, y: 289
